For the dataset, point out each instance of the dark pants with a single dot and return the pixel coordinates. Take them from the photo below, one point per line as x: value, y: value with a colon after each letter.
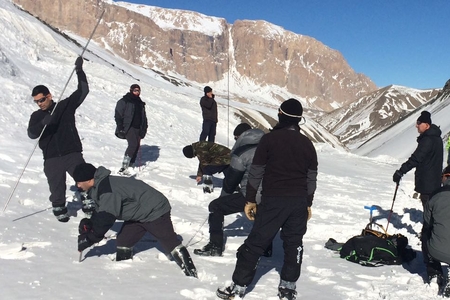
x: 210, y: 169
x: 55, y: 170
x: 161, y: 228
x: 134, y: 141
x: 218, y: 209
x: 432, y: 265
x: 208, y: 131
x: 288, y: 213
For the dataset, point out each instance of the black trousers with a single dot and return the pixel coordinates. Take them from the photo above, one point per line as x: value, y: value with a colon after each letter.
x: 288, y: 213
x: 161, y: 228
x: 218, y: 209
x: 55, y: 170
x: 134, y: 142
x: 208, y: 131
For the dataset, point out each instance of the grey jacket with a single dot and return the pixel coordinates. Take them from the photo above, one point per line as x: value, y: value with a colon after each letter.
x: 436, y: 225
x: 124, y: 198
x: 241, y: 161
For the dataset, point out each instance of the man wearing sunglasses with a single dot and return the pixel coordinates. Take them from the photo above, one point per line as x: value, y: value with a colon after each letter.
x: 54, y: 124
x: 427, y: 159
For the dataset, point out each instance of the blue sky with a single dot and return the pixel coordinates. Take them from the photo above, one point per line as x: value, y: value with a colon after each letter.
x: 393, y: 42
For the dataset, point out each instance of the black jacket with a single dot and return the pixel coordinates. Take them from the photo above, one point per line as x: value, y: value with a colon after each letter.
x: 60, y: 137
x: 125, y: 114
x: 209, y: 108
x: 427, y: 159
x: 286, y: 163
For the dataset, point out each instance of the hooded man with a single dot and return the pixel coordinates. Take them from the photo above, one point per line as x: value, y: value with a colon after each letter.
x: 141, y: 207
x: 285, y: 166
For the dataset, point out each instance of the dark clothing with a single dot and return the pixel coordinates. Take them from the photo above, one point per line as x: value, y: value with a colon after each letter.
x: 134, y: 142
x: 130, y: 112
x: 219, y: 208
x: 286, y: 163
x: 288, y: 213
x: 209, y: 114
x: 436, y: 228
x: 60, y: 137
x: 123, y: 198
x: 427, y: 159
x: 208, y: 131
x: 161, y: 228
x: 55, y: 170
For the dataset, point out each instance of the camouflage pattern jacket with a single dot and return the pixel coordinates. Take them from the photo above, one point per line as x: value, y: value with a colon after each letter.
x: 211, y: 154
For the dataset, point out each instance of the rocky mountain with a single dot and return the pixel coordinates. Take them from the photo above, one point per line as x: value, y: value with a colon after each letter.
x: 276, y: 63
x: 357, y: 122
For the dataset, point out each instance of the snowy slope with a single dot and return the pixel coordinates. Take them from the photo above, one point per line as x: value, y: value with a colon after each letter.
x: 38, y: 255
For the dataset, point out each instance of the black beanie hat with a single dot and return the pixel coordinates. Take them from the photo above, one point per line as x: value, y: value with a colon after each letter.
x: 290, y: 111
x: 84, y: 172
x: 207, y: 89
x: 241, y: 128
x: 134, y: 86
x: 425, y: 117
x: 188, y: 151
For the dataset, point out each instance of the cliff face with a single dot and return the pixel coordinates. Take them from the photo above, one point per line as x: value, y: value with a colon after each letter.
x: 176, y: 41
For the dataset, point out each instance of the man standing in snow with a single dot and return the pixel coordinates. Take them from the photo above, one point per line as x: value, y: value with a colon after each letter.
x: 209, y: 114
x: 436, y: 230
x: 447, y: 146
x: 427, y: 159
x: 131, y: 121
x: 143, y: 209
x: 213, y: 158
x: 230, y: 201
x: 285, y: 164
x: 61, y: 146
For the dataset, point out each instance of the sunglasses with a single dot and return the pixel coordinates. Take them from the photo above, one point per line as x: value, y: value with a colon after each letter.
x: 40, y: 100
x: 136, y: 91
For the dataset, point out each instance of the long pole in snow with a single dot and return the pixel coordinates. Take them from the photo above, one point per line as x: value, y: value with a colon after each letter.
x: 35, y: 145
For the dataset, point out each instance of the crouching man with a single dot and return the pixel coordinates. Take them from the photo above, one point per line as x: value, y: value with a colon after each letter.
x: 141, y: 207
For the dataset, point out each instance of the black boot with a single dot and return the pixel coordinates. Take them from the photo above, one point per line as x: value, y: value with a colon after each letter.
x: 61, y: 213
x: 181, y: 256
x: 124, y: 253
x: 209, y: 249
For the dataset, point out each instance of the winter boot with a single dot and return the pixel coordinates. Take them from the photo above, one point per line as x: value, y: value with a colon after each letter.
x: 88, y: 205
x: 207, y: 184
x: 233, y: 291
x: 124, y: 253
x: 125, y: 164
x: 181, y: 256
x: 61, y: 213
x: 286, y: 290
x: 209, y: 249
x: 446, y: 289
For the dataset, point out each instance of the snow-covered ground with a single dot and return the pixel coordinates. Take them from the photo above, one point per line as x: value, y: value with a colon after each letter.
x: 39, y: 257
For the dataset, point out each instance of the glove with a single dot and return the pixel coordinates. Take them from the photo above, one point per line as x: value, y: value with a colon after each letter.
x: 121, y: 134
x: 83, y: 242
x: 250, y: 210
x: 79, y: 64
x: 309, y: 213
x: 47, y: 119
x: 88, y: 207
x: 397, y: 176
x: 85, y: 226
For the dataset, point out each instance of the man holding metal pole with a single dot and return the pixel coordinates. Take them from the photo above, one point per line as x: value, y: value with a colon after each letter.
x: 54, y: 124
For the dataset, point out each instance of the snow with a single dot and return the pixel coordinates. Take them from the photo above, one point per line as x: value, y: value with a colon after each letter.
x: 39, y: 256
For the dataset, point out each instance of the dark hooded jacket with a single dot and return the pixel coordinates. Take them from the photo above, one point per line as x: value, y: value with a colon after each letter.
x: 209, y: 108
x: 60, y: 136
x: 427, y: 159
x: 130, y: 112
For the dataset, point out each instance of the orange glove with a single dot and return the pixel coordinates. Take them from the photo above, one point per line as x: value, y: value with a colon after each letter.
x: 309, y: 213
x: 250, y: 210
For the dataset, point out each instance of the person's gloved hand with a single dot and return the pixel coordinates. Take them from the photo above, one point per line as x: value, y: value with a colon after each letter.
x: 309, y: 213
x: 250, y: 210
x: 47, y: 119
x: 88, y: 206
x: 79, y: 64
x: 84, y: 228
x: 121, y: 134
x: 397, y: 176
